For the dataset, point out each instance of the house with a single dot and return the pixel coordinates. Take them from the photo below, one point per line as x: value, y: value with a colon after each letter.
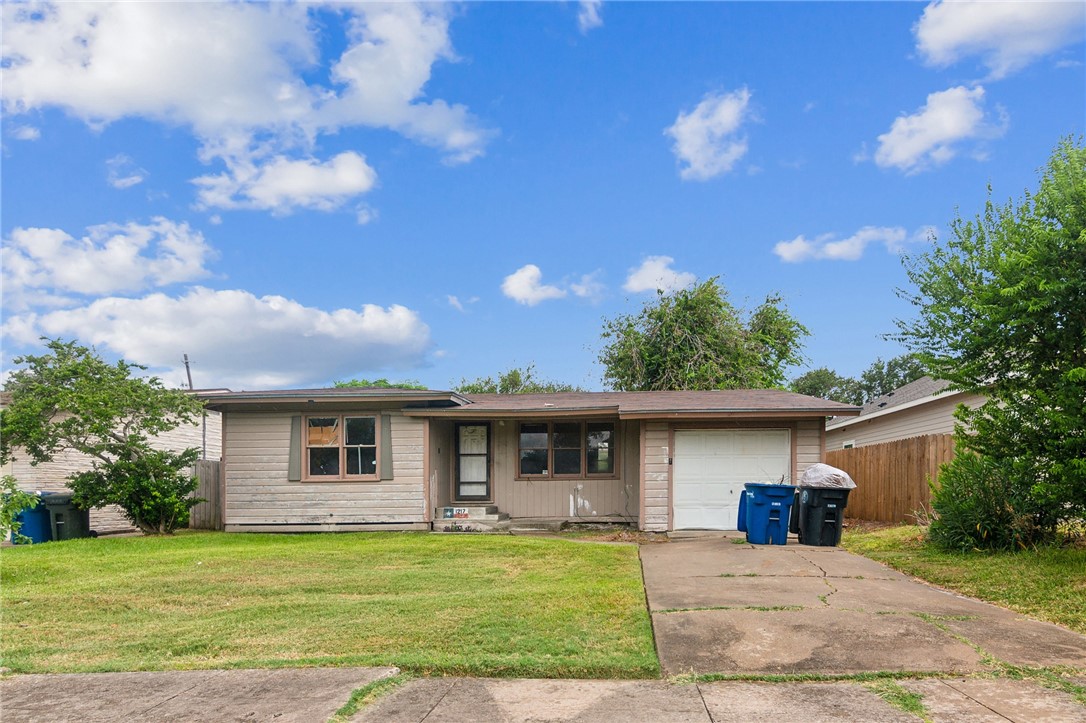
x: 365, y: 459
x: 205, y: 435
x: 922, y: 407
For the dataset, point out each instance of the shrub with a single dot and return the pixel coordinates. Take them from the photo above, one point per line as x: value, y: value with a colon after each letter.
x: 981, y: 503
x: 153, y: 487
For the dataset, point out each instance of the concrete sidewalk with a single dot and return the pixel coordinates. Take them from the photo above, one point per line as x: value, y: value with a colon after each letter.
x: 286, y: 695
x: 720, y: 605
x: 459, y: 700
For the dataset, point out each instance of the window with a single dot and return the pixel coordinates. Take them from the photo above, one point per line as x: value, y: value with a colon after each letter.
x: 341, y: 447
x: 566, y: 449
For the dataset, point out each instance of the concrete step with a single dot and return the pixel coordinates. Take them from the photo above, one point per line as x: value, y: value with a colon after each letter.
x: 534, y: 526
x: 472, y: 525
x: 467, y: 512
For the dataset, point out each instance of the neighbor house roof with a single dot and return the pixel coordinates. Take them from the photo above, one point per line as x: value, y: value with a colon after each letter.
x: 913, y: 394
x: 627, y: 405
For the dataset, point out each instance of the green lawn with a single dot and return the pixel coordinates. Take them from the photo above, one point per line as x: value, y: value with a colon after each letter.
x: 429, y: 604
x: 1048, y: 583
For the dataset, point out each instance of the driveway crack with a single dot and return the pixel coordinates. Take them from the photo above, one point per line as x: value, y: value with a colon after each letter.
x: 980, y: 703
x: 704, y: 705
x: 438, y: 701
x: 180, y: 693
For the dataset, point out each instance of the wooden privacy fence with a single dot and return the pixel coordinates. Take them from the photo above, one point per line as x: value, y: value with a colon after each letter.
x: 892, y: 477
x: 207, y: 515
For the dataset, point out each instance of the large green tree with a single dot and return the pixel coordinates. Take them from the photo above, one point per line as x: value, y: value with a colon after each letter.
x: 514, y: 381
x: 379, y: 384
x: 828, y: 384
x: 70, y: 398
x: 696, y: 339
x: 884, y: 377
x: 1001, y: 311
x: 878, y: 379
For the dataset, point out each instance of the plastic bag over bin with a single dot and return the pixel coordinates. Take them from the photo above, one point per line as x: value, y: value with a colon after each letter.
x: 823, y: 475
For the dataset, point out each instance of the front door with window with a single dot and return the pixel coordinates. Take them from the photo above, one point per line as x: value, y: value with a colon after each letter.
x: 472, y: 462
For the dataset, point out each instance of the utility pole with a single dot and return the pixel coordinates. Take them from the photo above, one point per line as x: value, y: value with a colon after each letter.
x: 188, y: 371
x: 203, y: 416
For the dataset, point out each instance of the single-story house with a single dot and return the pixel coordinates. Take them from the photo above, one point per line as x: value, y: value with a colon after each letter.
x: 205, y: 435
x: 364, y: 458
x: 922, y: 407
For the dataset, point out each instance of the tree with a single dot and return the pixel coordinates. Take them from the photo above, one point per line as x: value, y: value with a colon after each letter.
x: 1001, y: 311
x: 884, y: 377
x: 514, y: 381
x: 695, y: 339
x: 71, y: 399
x: 380, y: 384
x: 828, y: 384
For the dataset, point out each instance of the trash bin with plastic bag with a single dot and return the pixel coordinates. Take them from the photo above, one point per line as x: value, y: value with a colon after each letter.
x: 820, y: 505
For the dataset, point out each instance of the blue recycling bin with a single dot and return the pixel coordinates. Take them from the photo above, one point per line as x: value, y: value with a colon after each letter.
x: 35, y: 523
x: 768, y: 507
x: 741, y: 523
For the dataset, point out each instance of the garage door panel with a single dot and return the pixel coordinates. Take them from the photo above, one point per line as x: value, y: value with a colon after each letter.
x: 711, y: 467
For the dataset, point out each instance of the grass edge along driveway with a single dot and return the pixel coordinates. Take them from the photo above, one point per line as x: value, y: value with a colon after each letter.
x: 428, y: 604
x: 1047, y: 583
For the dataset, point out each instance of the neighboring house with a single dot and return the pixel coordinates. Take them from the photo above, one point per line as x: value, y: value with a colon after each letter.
x: 205, y: 435
x: 919, y: 408
x: 361, y: 458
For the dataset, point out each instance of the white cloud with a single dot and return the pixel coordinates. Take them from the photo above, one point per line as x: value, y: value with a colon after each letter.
x: 588, y: 15
x: 1006, y: 36
x: 282, y: 185
x: 454, y: 302
x: 829, y: 247
x: 122, y: 172
x: 588, y: 287
x: 707, y: 139
x: 930, y: 136
x: 238, y: 340
x: 26, y: 133
x: 525, y: 286
x: 236, y: 74
x: 42, y: 265
x: 655, y: 273
x: 393, y: 48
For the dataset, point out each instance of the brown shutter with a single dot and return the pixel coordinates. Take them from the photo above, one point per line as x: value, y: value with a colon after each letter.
x: 386, y: 446
x: 294, y: 466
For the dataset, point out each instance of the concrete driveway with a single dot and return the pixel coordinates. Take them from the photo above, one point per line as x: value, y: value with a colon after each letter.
x: 720, y: 605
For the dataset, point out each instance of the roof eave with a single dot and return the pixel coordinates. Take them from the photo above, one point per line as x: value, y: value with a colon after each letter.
x: 941, y: 396
x: 470, y: 412
x: 220, y: 402
x: 736, y: 413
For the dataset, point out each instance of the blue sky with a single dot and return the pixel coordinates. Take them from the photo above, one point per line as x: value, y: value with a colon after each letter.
x: 294, y: 194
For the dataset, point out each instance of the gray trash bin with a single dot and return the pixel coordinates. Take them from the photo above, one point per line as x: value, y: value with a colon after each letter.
x: 68, y: 522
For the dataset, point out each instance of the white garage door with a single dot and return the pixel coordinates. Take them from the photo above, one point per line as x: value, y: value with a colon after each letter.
x: 712, y: 465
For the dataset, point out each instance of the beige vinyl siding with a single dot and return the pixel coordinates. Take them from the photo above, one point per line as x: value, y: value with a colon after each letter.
x: 808, y: 446
x: 563, y: 498
x: 441, y: 461
x: 656, y: 476
x: 53, y: 476
x: 934, y: 417
x: 258, y: 491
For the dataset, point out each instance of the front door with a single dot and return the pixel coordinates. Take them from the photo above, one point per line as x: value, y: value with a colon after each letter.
x: 472, y: 462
